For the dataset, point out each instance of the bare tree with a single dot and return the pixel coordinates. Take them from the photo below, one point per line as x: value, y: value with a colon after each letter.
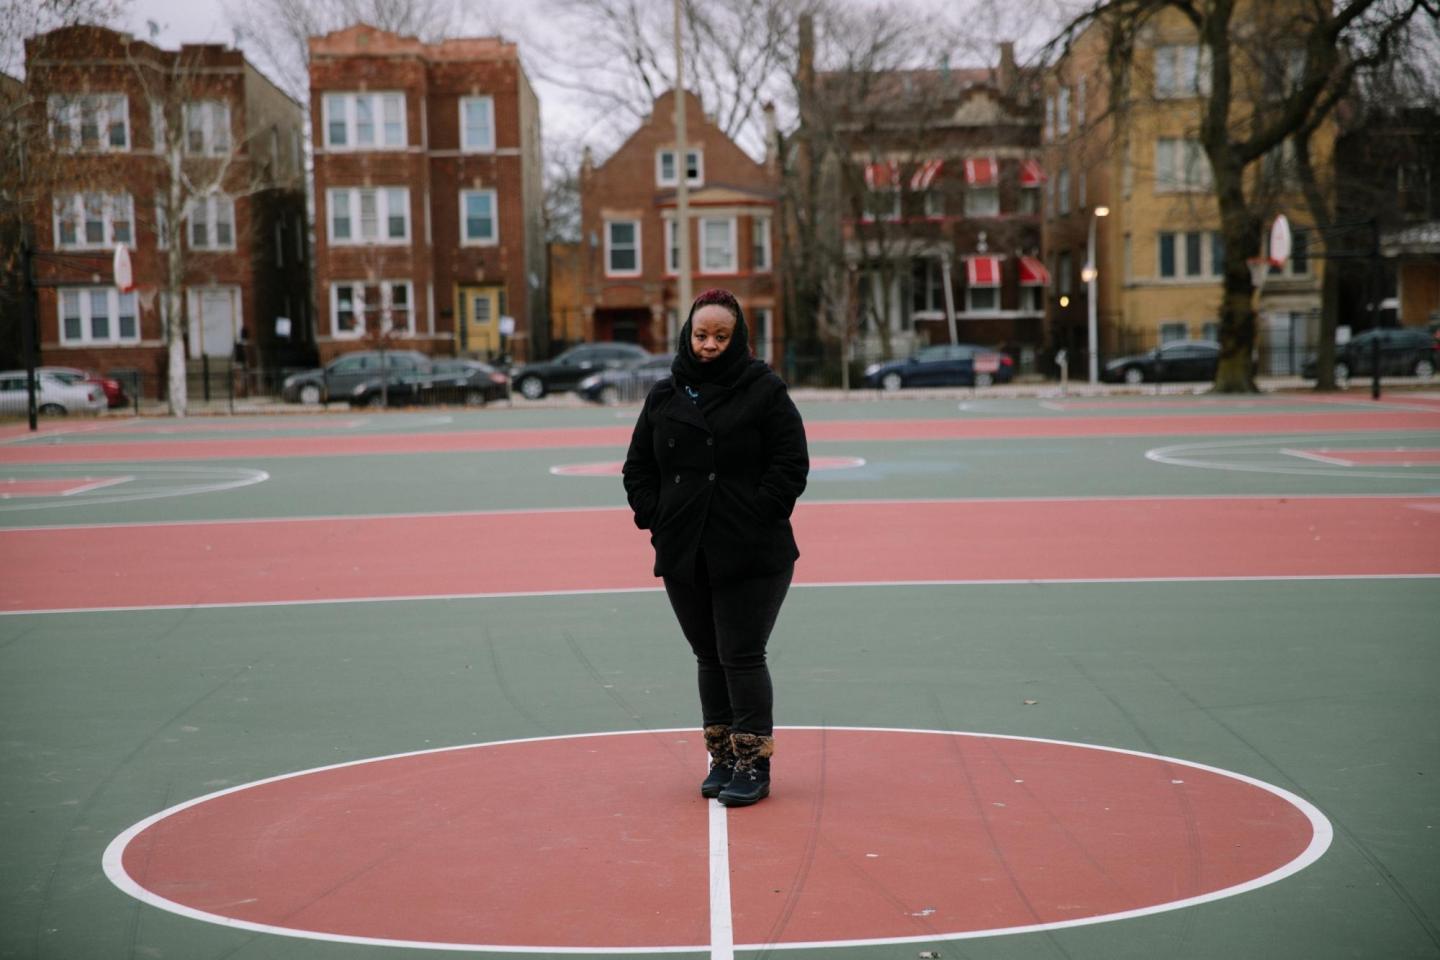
x: 1244, y: 113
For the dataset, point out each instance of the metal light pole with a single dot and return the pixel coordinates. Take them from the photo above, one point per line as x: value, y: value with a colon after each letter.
x: 1090, y: 274
x: 682, y: 188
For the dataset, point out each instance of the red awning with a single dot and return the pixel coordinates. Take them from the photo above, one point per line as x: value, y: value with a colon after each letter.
x: 882, y: 176
x: 925, y: 175
x: 1033, y: 273
x: 983, y: 271
x: 1031, y: 175
x: 981, y: 171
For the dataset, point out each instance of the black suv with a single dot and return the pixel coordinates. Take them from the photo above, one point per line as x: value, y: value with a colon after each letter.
x: 340, y: 376
x: 534, y: 380
x: 1404, y: 352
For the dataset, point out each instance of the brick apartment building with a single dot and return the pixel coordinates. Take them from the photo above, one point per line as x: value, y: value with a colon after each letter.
x: 629, y: 247
x: 428, y: 195
x: 100, y: 104
x: 935, y: 177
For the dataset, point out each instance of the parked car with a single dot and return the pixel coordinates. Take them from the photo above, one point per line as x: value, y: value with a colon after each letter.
x: 1170, y: 362
x: 447, y: 381
x: 114, y: 389
x: 1404, y: 352
x: 534, y: 380
x: 947, y: 364
x: 54, y: 396
x: 340, y: 376
x: 630, y: 382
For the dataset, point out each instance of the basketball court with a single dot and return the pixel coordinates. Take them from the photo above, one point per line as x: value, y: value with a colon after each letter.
x: 1084, y: 678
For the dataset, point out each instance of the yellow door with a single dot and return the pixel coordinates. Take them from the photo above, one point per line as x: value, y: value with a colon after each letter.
x: 477, y: 312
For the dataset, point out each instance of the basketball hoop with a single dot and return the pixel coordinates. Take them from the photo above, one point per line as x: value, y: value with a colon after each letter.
x: 124, y: 276
x: 1259, y: 270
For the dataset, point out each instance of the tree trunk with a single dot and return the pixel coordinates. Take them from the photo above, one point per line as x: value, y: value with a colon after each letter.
x: 1329, y: 314
x: 1236, y: 371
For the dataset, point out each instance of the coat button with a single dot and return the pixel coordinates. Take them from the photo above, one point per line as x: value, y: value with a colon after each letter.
x: 712, y: 476
x: 709, y: 441
x: 677, y: 478
x: 671, y: 441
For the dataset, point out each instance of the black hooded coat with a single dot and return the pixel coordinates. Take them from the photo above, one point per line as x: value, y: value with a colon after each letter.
x: 721, y: 474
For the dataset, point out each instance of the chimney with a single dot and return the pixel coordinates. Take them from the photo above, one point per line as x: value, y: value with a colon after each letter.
x: 1007, y: 74
x: 587, y: 164
x: 772, y: 143
x: 805, y: 68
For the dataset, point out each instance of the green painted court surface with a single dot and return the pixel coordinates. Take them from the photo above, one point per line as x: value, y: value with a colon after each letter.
x: 1324, y: 687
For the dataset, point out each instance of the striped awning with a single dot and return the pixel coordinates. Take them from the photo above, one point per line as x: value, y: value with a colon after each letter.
x: 981, y: 171
x: 882, y: 176
x: 1033, y: 273
x: 983, y: 271
x: 925, y: 175
x: 1031, y: 173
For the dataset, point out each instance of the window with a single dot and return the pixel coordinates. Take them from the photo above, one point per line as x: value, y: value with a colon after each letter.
x: 364, y: 121
x: 94, y: 121
x: 672, y: 248
x: 97, y: 315
x: 1032, y: 299
x: 934, y: 203
x: 1081, y: 179
x: 622, y: 248
x: 369, y: 215
x: 158, y: 126
x: 478, y: 223
x: 882, y: 203
x: 1064, y: 190
x: 212, y: 222
x: 279, y: 244
x: 1062, y: 112
x: 717, y: 245
x: 760, y: 244
x: 477, y: 124
x: 1049, y: 198
x: 93, y: 221
x: 1190, y: 255
x: 207, y: 128
x: 299, y: 239
x: 764, y: 331
x: 1167, y: 254
x: 384, y: 306
x: 665, y: 175
x: 1063, y: 270
x: 1181, y: 70
x: 1080, y: 105
x: 1299, y: 263
x: 927, y: 286
x: 162, y: 225
x: 1030, y: 200
x: 1180, y: 165
x: 982, y: 201
x: 1173, y: 330
x: 982, y: 298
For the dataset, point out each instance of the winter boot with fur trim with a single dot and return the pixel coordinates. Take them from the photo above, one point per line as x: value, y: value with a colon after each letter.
x: 751, y: 782
x: 722, y: 760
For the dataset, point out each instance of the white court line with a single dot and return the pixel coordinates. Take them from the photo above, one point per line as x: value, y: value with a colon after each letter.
x: 844, y: 584
x: 1317, y: 457
x: 804, y: 505
x: 96, y: 485
x: 722, y: 923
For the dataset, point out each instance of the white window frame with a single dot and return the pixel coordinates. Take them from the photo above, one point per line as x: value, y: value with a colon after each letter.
x: 86, y: 317
x: 158, y: 127
x: 973, y: 206
x: 75, y: 203
x: 970, y: 307
x: 214, y: 117
x: 360, y: 308
x: 1181, y: 166
x: 1062, y: 112
x: 1032, y: 299
x: 1172, y: 330
x: 162, y: 225
x: 348, y: 105
x: 465, y: 239
x: 733, y: 265
x: 672, y: 247
x: 760, y: 231
x: 610, y: 270
x: 1181, y: 70
x: 486, y: 145
x: 1207, y: 271
x: 698, y: 180
x: 1062, y: 190
x: 213, y: 204
x: 873, y: 201
x: 352, y: 197
x: 67, y: 112
x: 764, y: 332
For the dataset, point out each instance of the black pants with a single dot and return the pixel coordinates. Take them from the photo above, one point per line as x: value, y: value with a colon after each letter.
x: 728, y: 625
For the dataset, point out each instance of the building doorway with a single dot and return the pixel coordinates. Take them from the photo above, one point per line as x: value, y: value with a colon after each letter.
x: 477, y: 328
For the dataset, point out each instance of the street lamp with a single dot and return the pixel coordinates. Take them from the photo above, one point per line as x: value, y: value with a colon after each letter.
x: 1089, y: 274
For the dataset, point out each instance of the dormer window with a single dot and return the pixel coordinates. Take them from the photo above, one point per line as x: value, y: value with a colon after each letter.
x: 665, y: 174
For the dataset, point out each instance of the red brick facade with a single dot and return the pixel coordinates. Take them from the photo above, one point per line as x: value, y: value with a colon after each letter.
x: 733, y: 202
x: 232, y: 281
x: 444, y: 281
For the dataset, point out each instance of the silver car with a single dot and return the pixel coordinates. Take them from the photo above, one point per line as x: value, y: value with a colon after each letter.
x: 54, y: 397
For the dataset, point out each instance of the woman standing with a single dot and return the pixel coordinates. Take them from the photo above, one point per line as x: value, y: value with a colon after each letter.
x: 715, y: 465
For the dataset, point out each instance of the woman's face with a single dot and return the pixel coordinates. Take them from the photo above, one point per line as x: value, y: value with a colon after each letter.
x: 711, y: 329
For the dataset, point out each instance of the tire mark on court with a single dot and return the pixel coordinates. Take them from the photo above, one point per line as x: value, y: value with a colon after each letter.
x: 1397, y: 887
x: 807, y: 859
x: 1182, y: 800
x: 88, y: 805
x: 953, y: 745
x: 508, y: 692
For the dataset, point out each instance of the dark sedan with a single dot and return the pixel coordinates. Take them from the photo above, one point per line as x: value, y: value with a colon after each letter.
x: 342, y: 375
x: 1170, y: 362
x: 948, y: 364
x: 565, y: 372
x: 1404, y: 352
x: 448, y: 381
x: 628, y: 383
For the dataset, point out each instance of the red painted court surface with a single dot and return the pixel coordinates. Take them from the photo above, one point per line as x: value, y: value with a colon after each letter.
x: 83, y: 448
x: 53, y: 486
x: 357, y: 558
x: 869, y: 835
x: 612, y: 468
